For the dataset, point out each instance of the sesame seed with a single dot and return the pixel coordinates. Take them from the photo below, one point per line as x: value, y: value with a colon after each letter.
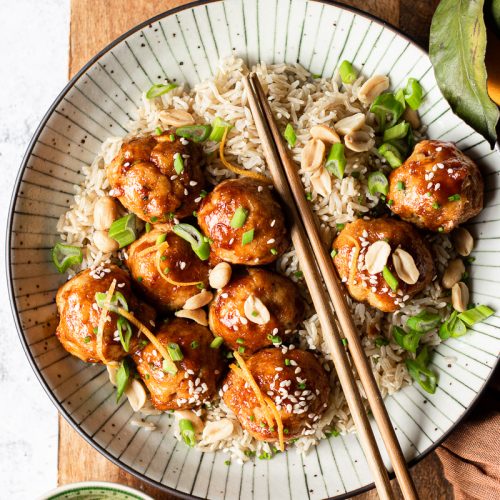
x: 186, y: 192
x: 193, y: 183
x: 260, y: 189
x: 273, y: 222
x: 271, y: 241
x: 438, y: 149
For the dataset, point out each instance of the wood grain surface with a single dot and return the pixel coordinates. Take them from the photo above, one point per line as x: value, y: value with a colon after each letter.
x: 95, y: 23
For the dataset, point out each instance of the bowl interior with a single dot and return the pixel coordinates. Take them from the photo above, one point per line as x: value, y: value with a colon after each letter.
x: 186, y: 46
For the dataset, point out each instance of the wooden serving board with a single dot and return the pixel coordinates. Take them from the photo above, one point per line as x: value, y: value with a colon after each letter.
x: 95, y: 23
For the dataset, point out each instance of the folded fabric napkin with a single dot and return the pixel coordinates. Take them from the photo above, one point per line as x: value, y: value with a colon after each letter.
x: 471, y: 455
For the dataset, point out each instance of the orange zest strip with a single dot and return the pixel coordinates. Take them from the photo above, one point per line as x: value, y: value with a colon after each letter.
x: 238, y: 170
x: 279, y: 422
x: 102, y: 321
x: 248, y: 377
x: 159, y: 253
x: 151, y: 337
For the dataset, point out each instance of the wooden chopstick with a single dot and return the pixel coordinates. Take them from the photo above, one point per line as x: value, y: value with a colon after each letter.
x: 338, y: 298
x: 321, y: 303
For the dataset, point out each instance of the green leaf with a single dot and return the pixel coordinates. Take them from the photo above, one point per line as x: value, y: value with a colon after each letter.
x: 495, y: 10
x: 457, y: 48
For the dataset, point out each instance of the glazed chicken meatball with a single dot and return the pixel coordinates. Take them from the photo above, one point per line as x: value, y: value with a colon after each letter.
x: 255, y: 308
x: 437, y: 187
x: 178, y: 263
x: 157, y: 177
x: 79, y: 316
x: 364, y: 247
x: 244, y: 221
x: 198, y: 372
x: 296, y: 383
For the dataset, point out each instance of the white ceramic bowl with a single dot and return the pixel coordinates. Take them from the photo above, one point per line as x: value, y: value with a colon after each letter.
x: 94, y: 490
x: 186, y: 44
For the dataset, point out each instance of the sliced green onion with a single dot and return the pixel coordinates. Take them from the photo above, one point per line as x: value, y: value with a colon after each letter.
x: 186, y: 429
x: 309, y: 196
x: 178, y: 163
x: 123, y: 230
x: 423, y: 322
x: 171, y: 137
x: 159, y: 89
x: 436, y: 205
x: 408, y: 341
x: 333, y: 253
x: 400, y: 186
x: 247, y: 237
x: 339, y: 227
x: 117, y: 300
x: 198, y: 243
x: 195, y: 133
x: 454, y: 197
x: 287, y: 362
x: 65, y: 256
x: 396, y: 132
x: 391, y: 154
x: 125, y: 332
x: 161, y: 239
x: 378, y: 183
x: 240, y: 341
x: 387, y: 110
x: 195, y: 344
x: 148, y: 227
x: 218, y: 128
x: 158, y: 131
x: 418, y: 370
x: 175, y: 351
x: 275, y: 339
x: 453, y: 327
x: 413, y: 93
x: 390, y: 279
x: 168, y: 368
x: 87, y: 339
x: 336, y: 161
x: 216, y: 342
x: 476, y: 315
x: 347, y: 72
x: 289, y: 135
x: 400, y: 97
x: 274, y: 251
x: 122, y: 377
x: 380, y: 341
x: 239, y: 218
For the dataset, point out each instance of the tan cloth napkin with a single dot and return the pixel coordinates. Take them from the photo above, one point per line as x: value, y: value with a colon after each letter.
x: 471, y: 455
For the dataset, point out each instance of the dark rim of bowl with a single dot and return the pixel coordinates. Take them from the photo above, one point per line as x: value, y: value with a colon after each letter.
x: 15, y: 313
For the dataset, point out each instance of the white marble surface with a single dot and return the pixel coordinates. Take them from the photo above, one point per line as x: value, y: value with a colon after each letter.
x: 34, y: 52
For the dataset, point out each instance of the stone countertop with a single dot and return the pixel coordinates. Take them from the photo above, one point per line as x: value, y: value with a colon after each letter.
x: 34, y: 37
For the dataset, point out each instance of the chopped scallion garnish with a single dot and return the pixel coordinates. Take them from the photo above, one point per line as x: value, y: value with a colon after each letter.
x: 347, y: 72
x: 198, y: 243
x: 423, y: 322
x: 418, y: 370
x: 396, y: 132
x: 186, y: 429
x: 454, y: 197
x: 333, y: 253
x: 175, y: 351
x: 159, y: 89
x: 380, y: 341
x: 247, y: 237
x: 336, y: 160
x: 178, y: 163
x: 123, y: 230
x: 239, y: 218
x: 387, y: 110
x: 218, y: 128
x: 195, y: 344
x: 390, y: 279
x: 400, y: 186
x: 274, y: 251
x: 289, y: 135
x: 453, y: 327
x: 391, y: 154
x: 216, y: 342
x: 117, y: 300
x: 122, y: 377
x: 65, y: 256
x: 413, y: 93
x: 125, y: 332
x: 476, y: 315
x: 195, y: 133
x: 407, y: 340
x: 161, y: 239
x: 378, y: 183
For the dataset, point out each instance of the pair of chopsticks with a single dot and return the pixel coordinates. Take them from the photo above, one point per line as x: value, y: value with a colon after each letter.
x: 317, y: 266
